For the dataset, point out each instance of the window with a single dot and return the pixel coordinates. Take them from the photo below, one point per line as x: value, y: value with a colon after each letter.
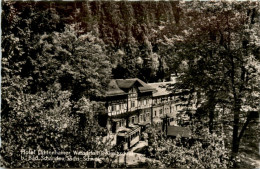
x: 133, y: 120
x: 123, y: 106
x: 159, y: 100
x: 113, y: 107
x: 144, y: 102
x: 154, y: 113
x: 132, y: 103
x: 117, y: 107
x: 155, y: 100
x: 160, y: 111
x: 132, y: 95
x: 141, y: 117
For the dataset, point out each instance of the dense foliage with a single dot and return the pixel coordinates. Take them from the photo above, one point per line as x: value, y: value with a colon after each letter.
x: 50, y: 77
x: 201, y: 150
x: 221, y: 49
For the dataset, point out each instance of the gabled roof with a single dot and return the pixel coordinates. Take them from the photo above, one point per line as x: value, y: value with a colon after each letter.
x: 128, y: 83
x: 176, y: 130
x: 113, y: 89
x: 125, y: 83
x: 119, y: 86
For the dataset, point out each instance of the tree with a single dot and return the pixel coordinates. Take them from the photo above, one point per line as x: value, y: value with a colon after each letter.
x: 41, y: 109
x: 219, y: 46
x: 79, y: 62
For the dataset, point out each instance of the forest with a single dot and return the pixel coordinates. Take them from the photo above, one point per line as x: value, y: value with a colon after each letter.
x: 58, y: 57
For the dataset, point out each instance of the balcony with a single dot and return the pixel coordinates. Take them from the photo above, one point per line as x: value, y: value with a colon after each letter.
x: 144, y: 106
x: 117, y: 112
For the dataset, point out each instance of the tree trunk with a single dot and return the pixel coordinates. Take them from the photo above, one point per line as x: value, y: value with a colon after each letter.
x: 210, y: 107
x: 235, y: 141
x: 211, y: 120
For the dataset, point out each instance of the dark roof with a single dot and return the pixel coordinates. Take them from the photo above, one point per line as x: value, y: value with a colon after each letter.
x: 113, y: 89
x: 128, y: 83
x: 117, y: 86
x: 176, y: 130
x: 146, y: 89
x: 125, y: 83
